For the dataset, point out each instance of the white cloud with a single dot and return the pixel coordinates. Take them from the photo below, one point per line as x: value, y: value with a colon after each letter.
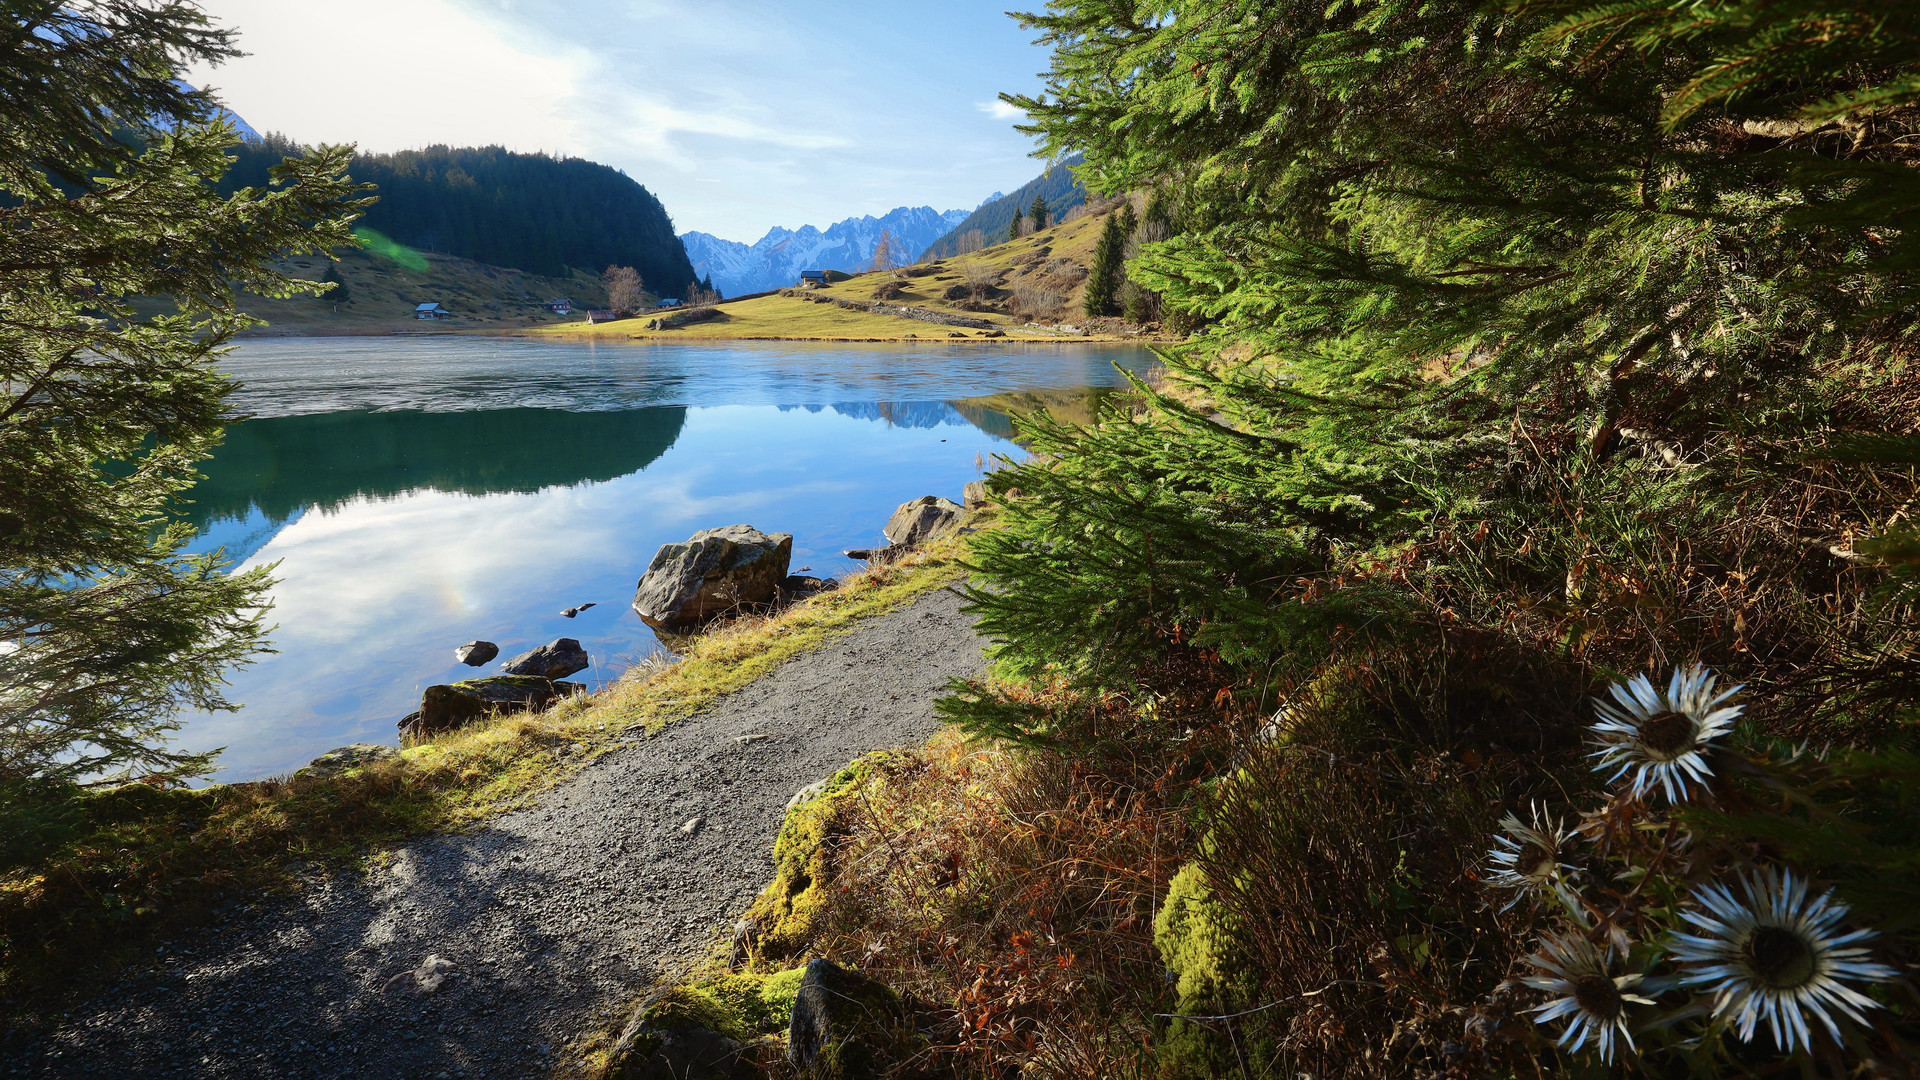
x: 393, y: 75
x: 738, y: 114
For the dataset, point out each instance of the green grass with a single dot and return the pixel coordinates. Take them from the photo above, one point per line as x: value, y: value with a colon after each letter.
x: 131, y: 864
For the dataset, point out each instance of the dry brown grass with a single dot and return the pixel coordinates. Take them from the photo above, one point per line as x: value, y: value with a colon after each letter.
x: 1011, y: 896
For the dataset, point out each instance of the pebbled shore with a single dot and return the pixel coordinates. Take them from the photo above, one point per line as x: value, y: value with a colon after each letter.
x: 547, y: 915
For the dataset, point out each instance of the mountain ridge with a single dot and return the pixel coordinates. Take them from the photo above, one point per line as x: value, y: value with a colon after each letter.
x: 776, y: 259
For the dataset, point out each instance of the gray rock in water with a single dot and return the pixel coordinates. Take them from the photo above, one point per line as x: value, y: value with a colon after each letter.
x: 843, y: 1016
x: 925, y: 519
x: 974, y: 495
x: 715, y: 571
x: 555, y: 660
x: 452, y: 705
x: 339, y: 760
x: 475, y: 653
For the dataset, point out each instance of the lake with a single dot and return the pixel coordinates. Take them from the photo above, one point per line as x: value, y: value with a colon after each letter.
x: 418, y: 493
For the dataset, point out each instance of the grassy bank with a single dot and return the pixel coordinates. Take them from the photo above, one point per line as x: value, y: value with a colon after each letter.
x: 106, y: 871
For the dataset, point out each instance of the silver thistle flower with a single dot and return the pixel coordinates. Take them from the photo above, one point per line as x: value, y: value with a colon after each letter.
x: 1773, y: 954
x: 1594, y: 1000
x: 1526, y: 858
x: 1661, y: 738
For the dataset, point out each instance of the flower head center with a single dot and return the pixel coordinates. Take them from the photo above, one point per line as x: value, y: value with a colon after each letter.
x: 1669, y: 734
x: 1779, y: 957
x: 1535, y: 862
x: 1597, y: 996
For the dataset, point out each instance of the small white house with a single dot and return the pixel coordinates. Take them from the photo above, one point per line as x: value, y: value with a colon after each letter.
x: 560, y: 305
x: 431, y: 311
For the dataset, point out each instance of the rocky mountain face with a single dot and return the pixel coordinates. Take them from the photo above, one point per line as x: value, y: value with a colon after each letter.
x: 776, y: 259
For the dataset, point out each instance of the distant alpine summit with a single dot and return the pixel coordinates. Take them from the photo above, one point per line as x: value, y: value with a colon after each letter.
x: 777, y: 258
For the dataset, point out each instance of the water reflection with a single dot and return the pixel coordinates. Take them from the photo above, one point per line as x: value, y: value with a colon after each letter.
x: 485, y: 511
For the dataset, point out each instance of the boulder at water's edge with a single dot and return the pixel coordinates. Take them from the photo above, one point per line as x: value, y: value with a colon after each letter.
x: 923, y: 520
x: 715, y: 571
x: 445, y: 707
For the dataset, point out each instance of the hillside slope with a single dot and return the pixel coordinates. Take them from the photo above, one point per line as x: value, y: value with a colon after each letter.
x: 776, y: 259
x: 1058, y: 186
x: 381, y: 295
x: 529, y: 212
x: 1029, y: 288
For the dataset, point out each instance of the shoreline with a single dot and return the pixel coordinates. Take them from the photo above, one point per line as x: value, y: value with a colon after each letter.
x: 663, y: 336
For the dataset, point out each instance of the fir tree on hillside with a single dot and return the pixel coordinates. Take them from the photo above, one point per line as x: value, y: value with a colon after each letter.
x: 1037, y: 213
x: 1104, y: 274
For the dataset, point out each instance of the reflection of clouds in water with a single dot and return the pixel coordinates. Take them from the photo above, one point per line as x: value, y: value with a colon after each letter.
x: 375, y: 593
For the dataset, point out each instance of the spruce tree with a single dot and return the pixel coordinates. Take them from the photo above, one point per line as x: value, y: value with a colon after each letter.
x: 1103, y: 275
x: 111, y: 630
x: 1540, y: 344
x: 1013, y: 230
x: 1038, y: 212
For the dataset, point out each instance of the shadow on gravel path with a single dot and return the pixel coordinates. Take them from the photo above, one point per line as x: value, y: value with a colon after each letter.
x: 547, y: 916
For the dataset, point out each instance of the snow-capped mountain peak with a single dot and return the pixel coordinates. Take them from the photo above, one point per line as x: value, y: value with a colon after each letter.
x: 777, y: 258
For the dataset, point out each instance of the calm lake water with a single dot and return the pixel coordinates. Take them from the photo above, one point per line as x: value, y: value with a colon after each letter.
x: 419, y: 493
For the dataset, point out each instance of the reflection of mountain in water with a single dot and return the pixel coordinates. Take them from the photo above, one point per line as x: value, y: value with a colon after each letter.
x: 994, y: 413
x: 904, y: 414
x: 282, y: 464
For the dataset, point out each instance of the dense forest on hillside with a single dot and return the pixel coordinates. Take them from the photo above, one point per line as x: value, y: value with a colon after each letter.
x: 1058, y: 186
x: 531, y: 212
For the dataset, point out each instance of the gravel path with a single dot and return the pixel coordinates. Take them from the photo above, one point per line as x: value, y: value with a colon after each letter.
x: 549, y: 915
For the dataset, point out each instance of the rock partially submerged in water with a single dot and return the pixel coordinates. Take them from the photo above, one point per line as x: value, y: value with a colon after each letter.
x: 555, y: 660
x: 923, y: 520
x: 339, y: 760
x: 716, y: 571
x: 475, y: 653
x: 453, y: 705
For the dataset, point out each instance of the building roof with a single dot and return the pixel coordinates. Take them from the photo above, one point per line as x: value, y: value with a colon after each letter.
x: 426, y: 307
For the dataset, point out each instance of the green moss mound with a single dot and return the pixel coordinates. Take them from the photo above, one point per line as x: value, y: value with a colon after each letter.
x: 785, y: 912
x: 1204, y: 948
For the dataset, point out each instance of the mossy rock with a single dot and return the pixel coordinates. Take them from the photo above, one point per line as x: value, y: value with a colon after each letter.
x: 683, y: 1033
x: 846, y: 1026
x: 1205, y: 950
x: 448, y: 706
x: 784, y: 914
x: 710, y: 1028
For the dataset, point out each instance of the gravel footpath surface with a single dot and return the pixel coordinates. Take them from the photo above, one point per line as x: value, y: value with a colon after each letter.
x: 548, y: 916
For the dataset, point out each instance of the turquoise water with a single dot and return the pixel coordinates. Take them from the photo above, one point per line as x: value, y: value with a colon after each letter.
x: 415, y: 494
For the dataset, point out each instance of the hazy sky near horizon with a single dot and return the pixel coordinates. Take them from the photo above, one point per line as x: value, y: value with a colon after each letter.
x: 739, y: 114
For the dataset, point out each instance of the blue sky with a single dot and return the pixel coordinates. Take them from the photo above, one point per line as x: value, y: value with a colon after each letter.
x: 739, y: 115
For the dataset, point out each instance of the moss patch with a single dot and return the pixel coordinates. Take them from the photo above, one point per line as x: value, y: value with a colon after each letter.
x: 1205, y: 950
x: 784, y: 914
